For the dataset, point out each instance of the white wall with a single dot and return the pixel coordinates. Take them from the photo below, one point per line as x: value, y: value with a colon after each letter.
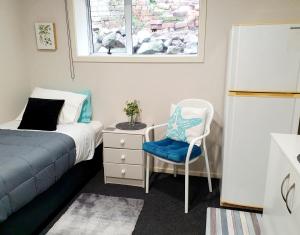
x: 14, y: 85
x: 155, y: 85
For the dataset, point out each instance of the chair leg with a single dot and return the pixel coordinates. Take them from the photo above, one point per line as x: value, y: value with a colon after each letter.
x: 186, y: 185
x: 175, y: 170
x: 207, y: 167
x: 147, y: 172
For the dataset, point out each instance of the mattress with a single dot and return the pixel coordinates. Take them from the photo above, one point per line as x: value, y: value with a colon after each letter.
x: 32, y: 161
x: 87, y: 136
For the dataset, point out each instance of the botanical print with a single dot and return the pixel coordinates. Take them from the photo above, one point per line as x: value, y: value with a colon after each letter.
x: 45, y: 36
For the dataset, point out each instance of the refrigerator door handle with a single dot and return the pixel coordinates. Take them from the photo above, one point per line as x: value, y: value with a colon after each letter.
x: 299, y: 127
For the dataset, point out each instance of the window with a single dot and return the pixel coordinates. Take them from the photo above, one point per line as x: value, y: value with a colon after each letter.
x: 141, y: 28
x: 107, y: 19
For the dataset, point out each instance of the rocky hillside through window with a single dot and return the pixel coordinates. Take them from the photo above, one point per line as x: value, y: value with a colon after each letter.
x: 160, y: 27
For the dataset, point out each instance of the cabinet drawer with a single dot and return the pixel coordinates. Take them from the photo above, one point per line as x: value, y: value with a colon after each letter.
x: 124, y: 171
x: 113, y: 140
x: 125, y: 156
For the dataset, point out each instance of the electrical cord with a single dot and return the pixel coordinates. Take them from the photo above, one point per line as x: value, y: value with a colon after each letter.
x: 72, y: 69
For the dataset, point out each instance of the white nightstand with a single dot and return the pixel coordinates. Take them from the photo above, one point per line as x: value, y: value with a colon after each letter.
x: 123, y: 156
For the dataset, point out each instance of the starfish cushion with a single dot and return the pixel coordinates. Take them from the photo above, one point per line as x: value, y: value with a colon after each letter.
x: 186, y: 123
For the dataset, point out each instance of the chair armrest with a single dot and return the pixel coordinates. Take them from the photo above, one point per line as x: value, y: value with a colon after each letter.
x: 147, y: 132
x: 193, y: 142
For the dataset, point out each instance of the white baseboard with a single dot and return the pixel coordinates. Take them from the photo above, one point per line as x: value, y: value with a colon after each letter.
x: 181, y: 172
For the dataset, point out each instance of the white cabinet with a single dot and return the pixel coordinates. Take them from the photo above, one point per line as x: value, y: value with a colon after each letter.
x: 282, y: 196
x: 123, y: 156
x: 294, y: 203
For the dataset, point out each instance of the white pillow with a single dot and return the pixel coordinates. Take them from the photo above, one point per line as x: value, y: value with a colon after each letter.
x: 186, y: 123
x: 71, y: 109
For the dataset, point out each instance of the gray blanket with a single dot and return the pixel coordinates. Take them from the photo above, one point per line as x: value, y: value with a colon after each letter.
x: 30, y: 162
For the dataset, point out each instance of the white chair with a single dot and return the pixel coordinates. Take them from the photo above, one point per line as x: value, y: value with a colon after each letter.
x: 197, y: 103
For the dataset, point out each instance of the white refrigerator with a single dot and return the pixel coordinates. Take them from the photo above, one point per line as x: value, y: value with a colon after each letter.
x: 262, y: 96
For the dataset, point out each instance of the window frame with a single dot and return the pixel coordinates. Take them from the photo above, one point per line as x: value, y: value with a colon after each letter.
x: 81, y: 39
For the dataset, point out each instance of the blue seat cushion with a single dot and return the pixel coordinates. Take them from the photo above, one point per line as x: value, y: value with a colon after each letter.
x: 171, y: 150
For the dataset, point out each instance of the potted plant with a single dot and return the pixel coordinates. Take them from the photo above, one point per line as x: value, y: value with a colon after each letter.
x: 132, y: 111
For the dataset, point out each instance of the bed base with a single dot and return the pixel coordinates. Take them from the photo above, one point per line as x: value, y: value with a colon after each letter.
x: 32, y: 218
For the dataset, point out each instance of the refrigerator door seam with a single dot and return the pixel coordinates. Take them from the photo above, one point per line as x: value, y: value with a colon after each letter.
x: 265, y: 94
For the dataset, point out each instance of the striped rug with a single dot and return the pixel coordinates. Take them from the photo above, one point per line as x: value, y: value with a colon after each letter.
x: 230, y: 222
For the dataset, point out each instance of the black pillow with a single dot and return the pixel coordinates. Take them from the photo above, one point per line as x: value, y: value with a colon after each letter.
x: 41, y: 114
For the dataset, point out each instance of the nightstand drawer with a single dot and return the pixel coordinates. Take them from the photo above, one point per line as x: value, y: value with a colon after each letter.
x: 124, y: 156
x: 113, y: 140
x: 124, y: 171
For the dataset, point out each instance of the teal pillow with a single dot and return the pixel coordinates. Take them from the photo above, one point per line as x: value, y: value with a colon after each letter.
x: 185, y: 123
x: 86, y: 111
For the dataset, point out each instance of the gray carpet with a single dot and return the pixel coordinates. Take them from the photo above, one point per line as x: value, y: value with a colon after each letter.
x: 93, y: 214
x: 163, y: 211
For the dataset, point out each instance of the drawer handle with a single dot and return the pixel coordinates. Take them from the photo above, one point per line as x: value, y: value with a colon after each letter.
x: 123, y: 171
x: 287, y: 197
x: 123, y: 157
x: 122, y: 141
x: 282, y: 185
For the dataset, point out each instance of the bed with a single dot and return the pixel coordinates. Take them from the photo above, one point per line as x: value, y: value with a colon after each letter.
x: 46, y: 155
x: 41, y: 170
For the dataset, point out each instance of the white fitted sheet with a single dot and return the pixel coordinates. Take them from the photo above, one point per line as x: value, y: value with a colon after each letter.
x: 87, y: 136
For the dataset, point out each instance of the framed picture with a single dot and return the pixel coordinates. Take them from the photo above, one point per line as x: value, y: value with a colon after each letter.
x: 45, y: 36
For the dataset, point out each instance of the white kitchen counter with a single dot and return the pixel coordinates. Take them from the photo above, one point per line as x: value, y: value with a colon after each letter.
x: 290, y: 146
